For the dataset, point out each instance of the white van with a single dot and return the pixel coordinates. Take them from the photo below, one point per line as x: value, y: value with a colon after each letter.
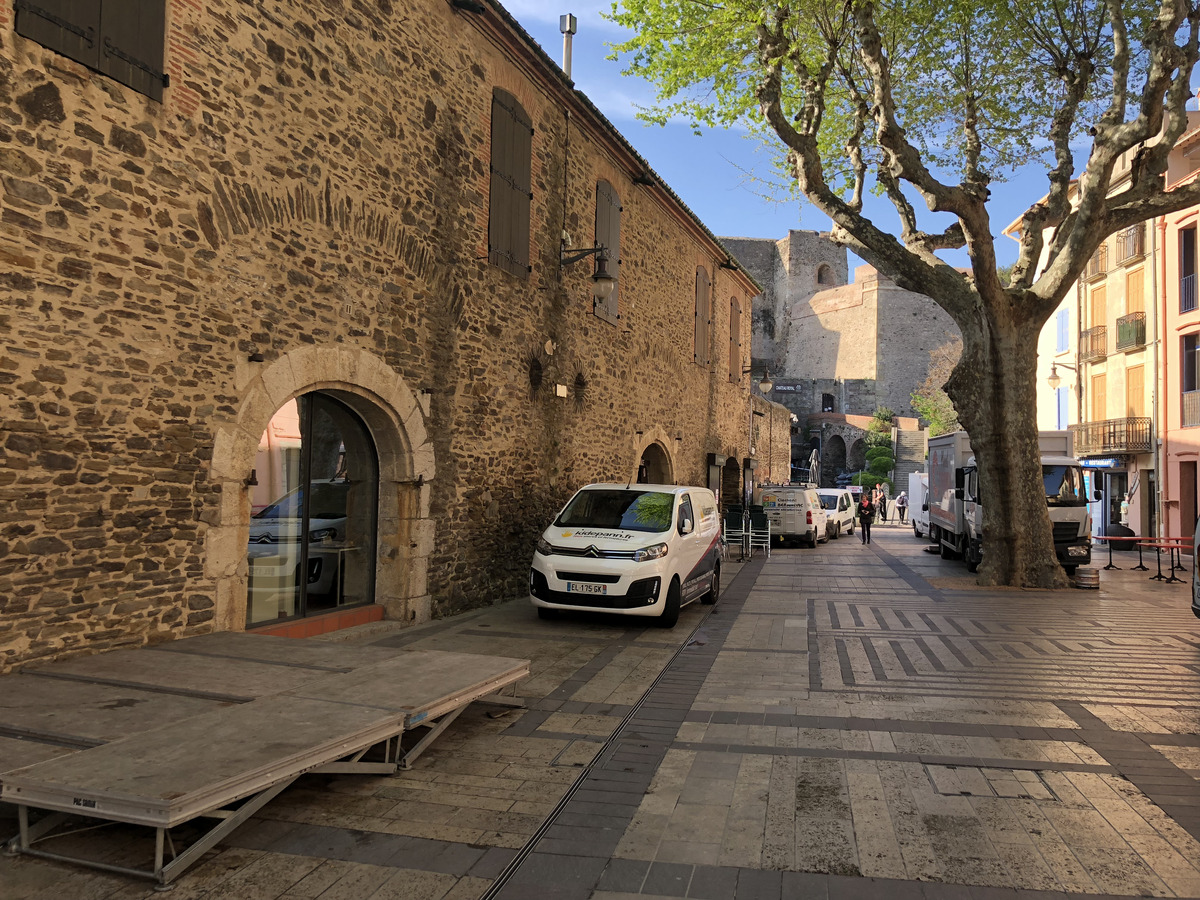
x: 795, y: 513
x: 634, y: 549
x: 839, y: 506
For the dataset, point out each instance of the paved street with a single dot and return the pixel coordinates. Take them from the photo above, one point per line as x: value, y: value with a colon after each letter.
x: 848, y: 722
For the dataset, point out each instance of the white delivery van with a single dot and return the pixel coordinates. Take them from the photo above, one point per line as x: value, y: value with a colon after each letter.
x: 918, y: 502
x: 634, y: 549
x: 839, y: 507
x: 795, y: 513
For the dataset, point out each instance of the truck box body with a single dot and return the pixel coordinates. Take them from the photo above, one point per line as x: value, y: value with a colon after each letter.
x: 947, y: 453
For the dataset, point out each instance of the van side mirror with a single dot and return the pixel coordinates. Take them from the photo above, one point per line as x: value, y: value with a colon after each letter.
x: 686, y: 527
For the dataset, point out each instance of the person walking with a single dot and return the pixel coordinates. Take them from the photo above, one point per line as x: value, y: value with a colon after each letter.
x: 901, y: 506
x: 881, y: 503
x: 866, y: 515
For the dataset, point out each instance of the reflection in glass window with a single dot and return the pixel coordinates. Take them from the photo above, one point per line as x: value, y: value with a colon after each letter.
x: 648, y: 511
x: 1064, y: 485
x: 312, y: 537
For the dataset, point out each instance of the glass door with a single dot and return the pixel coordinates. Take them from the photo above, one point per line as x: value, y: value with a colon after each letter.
x: 312, y: 534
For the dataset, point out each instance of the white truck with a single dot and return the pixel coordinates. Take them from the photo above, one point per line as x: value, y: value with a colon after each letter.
x: 956, y: 509
x: 918, y: 502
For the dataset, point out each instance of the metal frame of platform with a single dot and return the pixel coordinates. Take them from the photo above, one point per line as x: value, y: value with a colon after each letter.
x: 228, y: 762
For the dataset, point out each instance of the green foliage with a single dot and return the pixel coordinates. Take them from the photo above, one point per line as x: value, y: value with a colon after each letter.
x: 878, y: 451
x: 930, y: 400
x: 868, y: 480
x: 876, y: 439
x: 881, y: 465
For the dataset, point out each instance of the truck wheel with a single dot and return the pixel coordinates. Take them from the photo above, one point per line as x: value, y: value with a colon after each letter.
x: 944, y: 550
x: 670, y: 613
x: 973, y: 559
x: 1070, y: 570
x: 714, y: 592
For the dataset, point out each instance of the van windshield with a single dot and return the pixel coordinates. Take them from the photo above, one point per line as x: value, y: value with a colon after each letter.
x: 625, y: 510
x: 1064, y: 485
x: 829, y: 501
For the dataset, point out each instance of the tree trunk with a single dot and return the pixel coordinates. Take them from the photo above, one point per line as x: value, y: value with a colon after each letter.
x: 994, y: 389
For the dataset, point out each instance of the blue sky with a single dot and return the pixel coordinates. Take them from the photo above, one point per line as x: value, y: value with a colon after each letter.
x: 721, y: 175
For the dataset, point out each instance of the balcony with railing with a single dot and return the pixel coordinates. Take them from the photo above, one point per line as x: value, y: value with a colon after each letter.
x: 1191, y: 409
x: 1131, y: 331
x: 1098, y: 264
x: 1187, y: 293
x: 1131, y: 243
x: 1131, y: 435
x: 1093, y: 344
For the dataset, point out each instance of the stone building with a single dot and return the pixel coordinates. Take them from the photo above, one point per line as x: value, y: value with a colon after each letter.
x: 294, y: 275
x: 833, y: 345
x: 837, y: 350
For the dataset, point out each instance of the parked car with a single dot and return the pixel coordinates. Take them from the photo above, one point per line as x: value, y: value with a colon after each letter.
x: 795, y: 513
x: 839, y: 507
x: 274, y: 547
x: 633, y: 549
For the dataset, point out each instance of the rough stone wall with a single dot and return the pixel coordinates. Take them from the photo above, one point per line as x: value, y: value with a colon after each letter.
x: 910, y: 327
x: 314, y: 188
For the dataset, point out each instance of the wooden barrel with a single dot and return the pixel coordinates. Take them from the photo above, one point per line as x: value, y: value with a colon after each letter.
x: 1087, y: 578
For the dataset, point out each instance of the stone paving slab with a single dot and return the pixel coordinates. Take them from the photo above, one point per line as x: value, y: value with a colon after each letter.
x: 848, y: 722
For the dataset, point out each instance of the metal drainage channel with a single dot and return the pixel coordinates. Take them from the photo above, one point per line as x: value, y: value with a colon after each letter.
x: 511, y: 869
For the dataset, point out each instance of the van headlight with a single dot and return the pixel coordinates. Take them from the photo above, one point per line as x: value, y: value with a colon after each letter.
x: 543, y: 547
x: 657, y: 551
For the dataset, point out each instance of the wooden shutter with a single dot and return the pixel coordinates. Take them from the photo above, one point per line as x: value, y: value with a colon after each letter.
x: 508, y: 210
x: 735, y: 340
x: 1135, y: 391
x: 608, y: 233
x: 1135, y: 300
x: 703, y: 314
x: 69, y: 27
x: 1099, y: 307
x: 1099, y: 398
x: 131, y: 45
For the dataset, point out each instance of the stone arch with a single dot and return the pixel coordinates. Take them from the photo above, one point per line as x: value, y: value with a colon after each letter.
x: 394, y: 416
x: 656, y: 442
x: 856, y: 456
x: 826, y: 275
x: 833, y: 462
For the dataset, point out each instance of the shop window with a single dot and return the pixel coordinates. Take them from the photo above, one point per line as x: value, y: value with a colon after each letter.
x: 508, y: 207
x: 703, y: 316
x: 312, y: 531
x: 608, y: 234
x: 123, y: 39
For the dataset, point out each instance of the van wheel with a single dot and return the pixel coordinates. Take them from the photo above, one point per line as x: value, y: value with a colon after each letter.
x: 850, y: 530
x: 837, y: 531
x: 670, y: 613
x: 916, y: 530
x: 714, y: 592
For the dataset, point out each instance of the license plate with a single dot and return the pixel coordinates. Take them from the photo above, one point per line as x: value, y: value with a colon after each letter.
x: 577, y: 587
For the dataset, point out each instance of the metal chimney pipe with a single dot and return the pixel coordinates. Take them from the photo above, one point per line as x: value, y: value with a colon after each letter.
x: 568, y: 25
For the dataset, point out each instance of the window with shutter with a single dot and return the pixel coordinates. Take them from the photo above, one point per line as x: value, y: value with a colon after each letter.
x: 508, y: 208
x: 123, y: 39
x: 703, y: 314
x: 735, y: 340
x: 1063, y: 342
x: 608, y: 234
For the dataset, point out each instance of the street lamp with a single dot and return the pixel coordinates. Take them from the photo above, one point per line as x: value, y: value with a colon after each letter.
x: 603, y: 281
x: 765, y: 384
x: 1054, y: 379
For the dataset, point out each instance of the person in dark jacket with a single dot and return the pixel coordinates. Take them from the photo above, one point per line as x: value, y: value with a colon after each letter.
x: 866, y: 515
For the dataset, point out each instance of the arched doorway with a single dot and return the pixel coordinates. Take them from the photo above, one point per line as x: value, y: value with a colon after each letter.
x: 856, y: 458
x: 314, y: 500
x: 834, y: 461
x: 655, y: 467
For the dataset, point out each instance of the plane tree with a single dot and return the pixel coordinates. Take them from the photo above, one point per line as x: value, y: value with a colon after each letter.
x: 921, y: 108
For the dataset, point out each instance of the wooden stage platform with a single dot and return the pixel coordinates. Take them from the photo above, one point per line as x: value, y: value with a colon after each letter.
x: 215, y: 727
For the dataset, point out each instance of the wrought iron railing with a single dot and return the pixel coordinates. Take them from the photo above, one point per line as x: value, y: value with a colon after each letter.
x: 1187, y: 293
x: 1131, y: 243
x: 1131, y: 331
x: 1093, y: 344
x: 1098, y: 264
x: 1131, y: 435
x: 1191, y: 408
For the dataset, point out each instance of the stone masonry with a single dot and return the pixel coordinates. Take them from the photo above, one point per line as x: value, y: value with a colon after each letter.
x: 314, y: 189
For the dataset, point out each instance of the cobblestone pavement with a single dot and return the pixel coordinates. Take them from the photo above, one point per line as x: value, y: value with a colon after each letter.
x: 847, y: 722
